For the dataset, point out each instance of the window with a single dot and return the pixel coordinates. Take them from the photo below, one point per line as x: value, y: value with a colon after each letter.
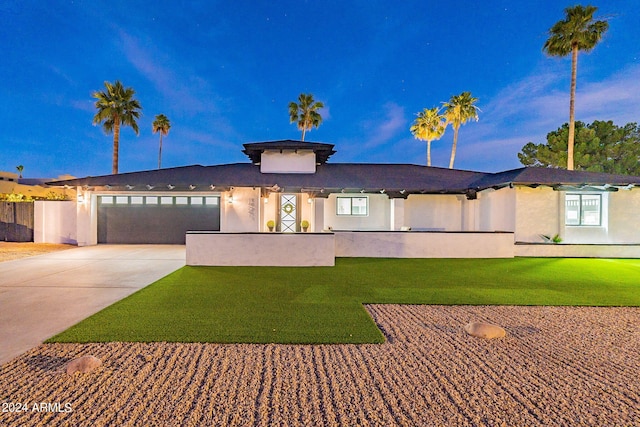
x: 357, y: 206
x: 583, y: 209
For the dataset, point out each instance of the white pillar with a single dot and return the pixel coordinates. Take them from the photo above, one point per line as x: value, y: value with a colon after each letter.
x: 397, y: 214
x: 318, y: 213
x: 87, y: 211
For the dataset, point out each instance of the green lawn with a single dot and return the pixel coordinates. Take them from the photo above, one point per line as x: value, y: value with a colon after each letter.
x: 324, y: 304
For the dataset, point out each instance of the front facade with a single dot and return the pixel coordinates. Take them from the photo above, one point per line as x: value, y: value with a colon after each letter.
x: 290, y: 187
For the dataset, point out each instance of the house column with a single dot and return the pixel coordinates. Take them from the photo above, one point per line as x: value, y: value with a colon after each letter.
x: 397, y: 214
x: 318, y: 215
x: 87, y: 218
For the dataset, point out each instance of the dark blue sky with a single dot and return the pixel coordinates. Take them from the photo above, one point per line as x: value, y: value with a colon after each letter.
x: 225, y: 71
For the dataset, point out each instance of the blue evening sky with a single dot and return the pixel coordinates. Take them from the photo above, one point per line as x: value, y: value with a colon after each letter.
x: 225, y: 71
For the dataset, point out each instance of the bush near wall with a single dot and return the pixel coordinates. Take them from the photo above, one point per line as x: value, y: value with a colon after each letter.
x: 19, y: 197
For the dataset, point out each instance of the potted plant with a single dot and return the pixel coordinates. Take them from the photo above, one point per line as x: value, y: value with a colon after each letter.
x: 270, y: 224
x: 305, y: 225
x: 548, y: 239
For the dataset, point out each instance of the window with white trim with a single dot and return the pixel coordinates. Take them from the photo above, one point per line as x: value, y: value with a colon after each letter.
x: 583, y: 209
x: 354, y: 206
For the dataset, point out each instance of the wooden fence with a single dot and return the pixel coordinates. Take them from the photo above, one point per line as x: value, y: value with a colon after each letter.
x: 16, y: 222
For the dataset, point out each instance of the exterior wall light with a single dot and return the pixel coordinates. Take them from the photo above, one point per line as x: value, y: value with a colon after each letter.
x: 80, y: 198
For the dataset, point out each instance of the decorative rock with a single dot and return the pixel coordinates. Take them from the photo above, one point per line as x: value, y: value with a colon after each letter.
x: 484, y: 330
x: 83, y: 365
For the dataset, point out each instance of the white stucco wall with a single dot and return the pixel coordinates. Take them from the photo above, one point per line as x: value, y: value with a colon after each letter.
x: 413, y: 244
x: 433, y: 212
x: 87, y: 218
x: 497, y: 210
x: 538, y: 211
x: 397, y: 214
x: 624, y: 216
x: 377, y: 219
x: 260, y: 249
x: 300, y: 161
x: 317, y: 221
x: 243, y: 213
x: 542, y: 211
x: 55, y: 222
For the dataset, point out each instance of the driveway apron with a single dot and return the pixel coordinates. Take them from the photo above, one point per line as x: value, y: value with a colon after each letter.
x: 43, y: 295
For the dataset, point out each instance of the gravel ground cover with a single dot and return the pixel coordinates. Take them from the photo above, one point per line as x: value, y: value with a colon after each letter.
x: 15, y: 250
x: 557, y: 366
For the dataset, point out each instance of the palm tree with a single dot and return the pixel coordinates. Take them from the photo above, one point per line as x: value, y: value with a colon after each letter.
x: 578, y: 31
x: 305, y: 113
x: 161, y: 124
x: 116, y: 107
x: 20, y: 168
x: 429, y: 125
x: 458, y: 111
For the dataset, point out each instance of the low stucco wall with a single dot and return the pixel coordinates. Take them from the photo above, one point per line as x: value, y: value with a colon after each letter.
x: 260, y: 249
x: 424, y: 244
x: 55, y: 222
x: 577, y: 251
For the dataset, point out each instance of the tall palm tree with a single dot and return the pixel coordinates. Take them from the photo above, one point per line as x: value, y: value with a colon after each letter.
x: 429, y: 126
x: 20, y: 168
x: 305, y: 113
x: 458, y: 111
x: 578, y: 31
x: 116, y: 107
x: 161, y: 124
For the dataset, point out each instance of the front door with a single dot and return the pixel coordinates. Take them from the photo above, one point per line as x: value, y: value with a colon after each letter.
x: 288, y: 213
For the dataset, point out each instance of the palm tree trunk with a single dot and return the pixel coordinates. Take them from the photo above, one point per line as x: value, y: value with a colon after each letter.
x: 428, y: 153
x: 572, y: 99
x: 303, y: 132
x: 116, y: 144
x: 453, y: 147
x: 160, y: 153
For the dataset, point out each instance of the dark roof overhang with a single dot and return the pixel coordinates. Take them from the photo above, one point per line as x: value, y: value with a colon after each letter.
x: 394, y: 180
x: 558, y: 179
x: 322, y: 151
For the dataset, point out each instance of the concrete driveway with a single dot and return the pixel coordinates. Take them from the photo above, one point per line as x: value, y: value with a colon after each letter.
x: 46, y: 294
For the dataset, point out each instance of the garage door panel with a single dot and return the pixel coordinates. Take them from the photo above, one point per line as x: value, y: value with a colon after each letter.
x: 124, y: 222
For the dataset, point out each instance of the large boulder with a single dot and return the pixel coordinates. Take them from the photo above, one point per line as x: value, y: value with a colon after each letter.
x: 83, y: 365
x: 484, y: 330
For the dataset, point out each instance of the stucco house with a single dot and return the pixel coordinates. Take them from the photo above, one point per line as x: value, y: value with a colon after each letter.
x: 354, y: 209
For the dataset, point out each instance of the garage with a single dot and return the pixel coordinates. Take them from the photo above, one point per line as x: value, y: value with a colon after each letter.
x: 155, y: 219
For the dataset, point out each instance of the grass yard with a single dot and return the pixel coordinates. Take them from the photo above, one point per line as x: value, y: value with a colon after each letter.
x: 325, y: 304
